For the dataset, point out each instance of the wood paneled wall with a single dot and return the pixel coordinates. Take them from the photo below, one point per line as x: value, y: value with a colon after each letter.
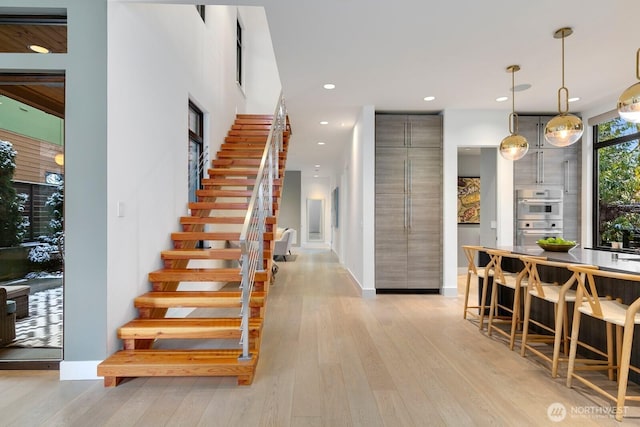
x: 34, y: 159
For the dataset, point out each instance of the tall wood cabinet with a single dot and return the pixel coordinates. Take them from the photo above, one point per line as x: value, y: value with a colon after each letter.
x: 408, y: 202
x: 546, y: 165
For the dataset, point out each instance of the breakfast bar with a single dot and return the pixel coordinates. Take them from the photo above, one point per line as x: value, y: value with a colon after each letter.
x: 627, y: 292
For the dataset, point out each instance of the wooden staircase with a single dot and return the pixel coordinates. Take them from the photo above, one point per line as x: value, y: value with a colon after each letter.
x: 216, y: 218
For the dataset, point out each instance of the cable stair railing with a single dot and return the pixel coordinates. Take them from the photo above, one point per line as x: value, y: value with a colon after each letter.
x: 261, y: 206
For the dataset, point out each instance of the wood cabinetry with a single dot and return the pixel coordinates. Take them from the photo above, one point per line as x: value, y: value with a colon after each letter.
x: 546, y: 165
x: 408, y: 201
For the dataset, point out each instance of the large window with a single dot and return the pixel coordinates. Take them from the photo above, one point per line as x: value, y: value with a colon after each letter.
x: 239, y: 53
x: 617, y: 184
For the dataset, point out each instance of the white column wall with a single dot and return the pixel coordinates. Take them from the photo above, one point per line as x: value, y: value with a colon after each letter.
x: 357, y: 203
x: 472, y: 128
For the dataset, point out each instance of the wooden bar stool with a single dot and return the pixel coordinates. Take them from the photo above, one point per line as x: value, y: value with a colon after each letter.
x: 480, y: 273
x: 515, y: 281
x: 558, y: 295
x: 613, y: 312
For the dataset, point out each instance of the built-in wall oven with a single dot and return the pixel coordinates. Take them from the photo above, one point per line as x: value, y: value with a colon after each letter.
x: 538, y: 215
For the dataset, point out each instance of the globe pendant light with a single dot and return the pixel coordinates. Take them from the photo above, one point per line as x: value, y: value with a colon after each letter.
x: 629, y: 101
x: 564, y: 129
x: 514, y: 146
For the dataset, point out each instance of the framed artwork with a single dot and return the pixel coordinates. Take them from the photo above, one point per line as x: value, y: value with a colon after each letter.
x: 468, y: 200
x: 335, y: 208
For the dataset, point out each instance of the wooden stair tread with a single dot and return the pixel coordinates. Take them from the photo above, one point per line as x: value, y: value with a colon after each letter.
x: 194, y: 299
x: 218, y: 206
x: 201, y: 275
x: 245, y: 116
x: 240, y: 163
x: 245, y: 132
x: 235, y: 172
x: 242, y: 146
x: 205, y: 235
x: 228, y: 182
x: 224, y: 193
x: 244, y: 138
x: 186, y: 328
x: 251, y: 126
x: 244, y: 154
x: 218, y: 220
x: 173, y: 363
x: 225, y: 253
x: 237, y: 182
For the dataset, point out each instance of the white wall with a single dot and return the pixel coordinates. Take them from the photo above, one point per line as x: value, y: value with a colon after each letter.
x: 160, y: 56
x: 356, y: 245
x: 262, y: 80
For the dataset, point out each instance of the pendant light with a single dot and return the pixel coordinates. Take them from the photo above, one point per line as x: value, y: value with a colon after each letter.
x: 564, y: 129
x: 629, y: 101
x: 514, y: 146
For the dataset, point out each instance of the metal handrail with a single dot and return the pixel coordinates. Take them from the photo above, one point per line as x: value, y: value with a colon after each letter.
x: 254, y: 227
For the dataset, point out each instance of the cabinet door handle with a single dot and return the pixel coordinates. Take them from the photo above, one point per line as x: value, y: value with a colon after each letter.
x: 406, y: 213
x: 406, y: 133
x: 404, y: 171
x: 541, y: 167
x: 410, y: 126
x: 410, y: 177
x: 410, y: 212
x: 538, y: 167
x: 567, y: 183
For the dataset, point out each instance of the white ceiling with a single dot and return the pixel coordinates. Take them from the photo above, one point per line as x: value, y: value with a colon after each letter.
x: 391, y: 54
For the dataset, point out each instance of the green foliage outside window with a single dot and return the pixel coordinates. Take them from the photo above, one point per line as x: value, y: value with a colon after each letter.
x: 618, y: 180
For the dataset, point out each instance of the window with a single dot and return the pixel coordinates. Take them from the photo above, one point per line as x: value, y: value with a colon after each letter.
x: 617, y: 184
x: 196, y: 153
x: 238, y: 53
x: 201, y: 8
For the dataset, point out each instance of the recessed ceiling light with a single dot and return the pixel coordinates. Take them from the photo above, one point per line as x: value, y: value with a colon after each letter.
x: 501, y: 98
x: 315, y: 176
x: 574, y: 99
x: 329, y: 86
x: 317, y: 166
x: 324, y: 122
x: 429, y: 98
x: 38, y: 49
x: 320, y: 143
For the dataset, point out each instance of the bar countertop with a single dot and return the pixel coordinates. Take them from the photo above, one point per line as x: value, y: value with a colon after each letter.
x: 606, y: 260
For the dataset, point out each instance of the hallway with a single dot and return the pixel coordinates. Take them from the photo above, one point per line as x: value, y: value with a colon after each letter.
x: 329, y: 358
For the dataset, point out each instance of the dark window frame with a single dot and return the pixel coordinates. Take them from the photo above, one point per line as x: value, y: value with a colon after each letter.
x: 201, y: 11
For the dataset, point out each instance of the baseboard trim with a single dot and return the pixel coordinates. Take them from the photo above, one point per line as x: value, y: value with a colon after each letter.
x: 449, y: 292
x: 79, y: 370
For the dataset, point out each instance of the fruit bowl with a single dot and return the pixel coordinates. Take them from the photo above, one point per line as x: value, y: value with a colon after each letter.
x: 557, y: 247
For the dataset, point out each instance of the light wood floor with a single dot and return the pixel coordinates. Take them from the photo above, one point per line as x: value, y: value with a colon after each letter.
x: 329, y: 358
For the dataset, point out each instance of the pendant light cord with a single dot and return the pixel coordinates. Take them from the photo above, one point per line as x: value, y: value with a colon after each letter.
x: 513, y: 117
x: 563, y: 88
